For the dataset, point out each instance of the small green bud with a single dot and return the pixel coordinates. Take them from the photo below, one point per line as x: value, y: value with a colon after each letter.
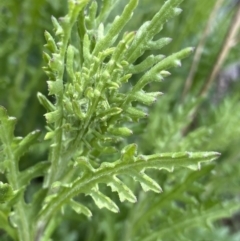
x: 51, y: 45
x: 77, y: 110
x: 57, y: 26
x: 135, y: 113
x: 45, y: 102
x: 46, y: 57
x: 104, y: 115
x: 121, y: 131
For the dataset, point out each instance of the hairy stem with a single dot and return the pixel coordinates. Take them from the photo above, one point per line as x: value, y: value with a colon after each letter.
x: 24, y: 230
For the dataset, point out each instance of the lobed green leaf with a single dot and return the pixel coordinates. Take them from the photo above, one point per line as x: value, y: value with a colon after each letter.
x: 130, y: 165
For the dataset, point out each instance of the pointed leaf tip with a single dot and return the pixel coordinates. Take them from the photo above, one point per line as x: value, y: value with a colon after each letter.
x: 123, y: 191
x: 147, y: 183
x: 129, y: 152
x: 103, y: 201
x: 177, y: 11
x: 79, y: 208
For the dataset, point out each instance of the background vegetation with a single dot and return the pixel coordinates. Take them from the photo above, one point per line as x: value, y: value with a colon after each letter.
x: 199, y: 111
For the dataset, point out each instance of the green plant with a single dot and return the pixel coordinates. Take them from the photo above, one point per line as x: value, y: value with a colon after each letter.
x: 91, y: 118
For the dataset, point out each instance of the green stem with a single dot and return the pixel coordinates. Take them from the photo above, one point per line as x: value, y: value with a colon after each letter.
x: 58, y: 163
x: 24, y: 230
x: 57, y: 149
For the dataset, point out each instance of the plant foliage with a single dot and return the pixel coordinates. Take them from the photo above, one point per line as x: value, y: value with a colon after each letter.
x: 102, y: 83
